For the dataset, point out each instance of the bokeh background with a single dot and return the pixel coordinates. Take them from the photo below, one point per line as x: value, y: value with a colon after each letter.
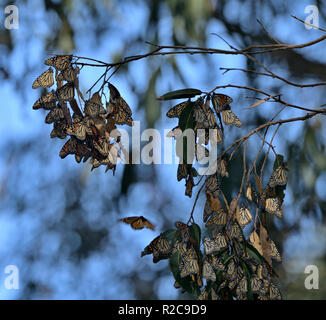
x: 58, y: 220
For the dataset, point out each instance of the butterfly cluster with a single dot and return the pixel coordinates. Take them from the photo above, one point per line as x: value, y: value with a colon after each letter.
x: 89, y: 125
x: 197, y: 115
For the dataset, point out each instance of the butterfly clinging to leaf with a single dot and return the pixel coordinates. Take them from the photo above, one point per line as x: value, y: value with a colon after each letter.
x: 138, y: 223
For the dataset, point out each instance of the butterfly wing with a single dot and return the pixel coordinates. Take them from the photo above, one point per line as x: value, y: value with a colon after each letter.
x: 230, y: 119
x: 45, y: 80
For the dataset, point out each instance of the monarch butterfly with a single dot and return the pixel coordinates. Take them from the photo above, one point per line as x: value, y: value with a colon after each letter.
x: 66, y: 92
x: 278, y: 177
x: 230, y: 119
x: 231, y: 270
x: 70, y: 74
x: 138, y: 223
x: 189, y: 185
x: 201, y: 152
x: 175, y: 112
x: 212, y: 185
x: 102, y: 146
x: 121, y: 111
x: 44, y: 80
x: 189, y: 263
x: 235, y: 231
x: 182, y: 171
x: 274, y: 292
x: 218, y: 218
x: 79, y: 130
x: 221, y: 168
x: 54, y: 115
x: 208, y: 271
x: 159, y: 246
x: 175, y: 132
x: 250, y: 193
x: 257, y: 285
x: 59, y: 130
x: 221, y: 102
x: 217, y: 263
x: 68, y: 148
x: 95, y: 163
x: 215, y: 135
x: 244, y: 216
x: 216, y: 244
x: 204, y: 116
x: 121, y: 116
x: 59, y: 62
x: 272, y: 206
x: 274, y: 252
x: 242, y: 287
x: 93, y: 106
x: 179, y: 246
x: 46, y: 102
x: 203, y: 295
x: 207, y: 210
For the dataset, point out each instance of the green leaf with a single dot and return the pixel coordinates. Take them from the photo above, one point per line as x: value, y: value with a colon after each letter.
x: 186, y: 283
x: 180, y: 94
x: 248, y: 276
x: 254, y: 253
x: 186, y: 121
x: 169, y: 234
x: 279, y: 160
x: 194, y: 172
x: 195, y: 233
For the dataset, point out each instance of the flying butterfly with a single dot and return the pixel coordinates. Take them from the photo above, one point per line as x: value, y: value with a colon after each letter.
x: 138, y: 223
x: 54, y: 115
x: 59, y: 62
x: 278, y: 177
x: 230, y: 119
x: 175, y: 112
x: 208, y: 271
x: 272, y: 206
x: 244, y: 216
x: 66, y: 92
x: 45, y: 80
x: 46, y: 102
x: 221, y: 102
